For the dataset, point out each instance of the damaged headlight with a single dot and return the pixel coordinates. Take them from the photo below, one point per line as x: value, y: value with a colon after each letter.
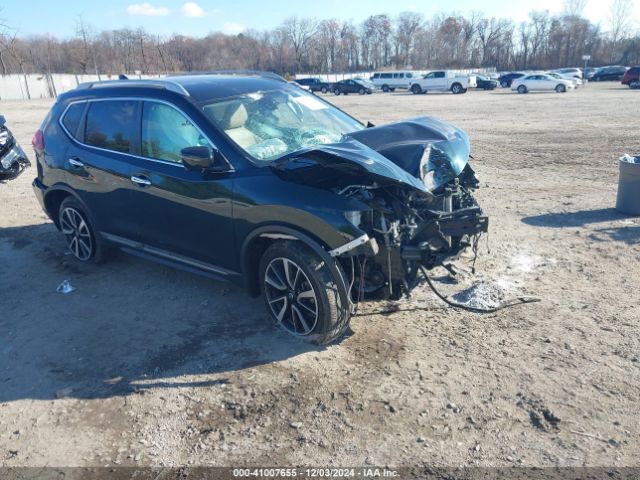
x: 435, y: 168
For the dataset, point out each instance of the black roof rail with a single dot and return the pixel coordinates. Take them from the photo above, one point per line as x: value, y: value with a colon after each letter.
x: 149, y: 83
x: 253, y: 73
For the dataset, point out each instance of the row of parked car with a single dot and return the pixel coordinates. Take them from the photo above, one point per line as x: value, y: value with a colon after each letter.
x: 560, y: 80
x: 439, y: 80
x: 625, y: 75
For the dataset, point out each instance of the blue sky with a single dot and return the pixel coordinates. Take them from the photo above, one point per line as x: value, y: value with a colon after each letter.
x: 199, y: 17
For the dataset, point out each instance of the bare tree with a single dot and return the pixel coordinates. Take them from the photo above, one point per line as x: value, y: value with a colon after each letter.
x: 408, y: 24
x: 619, y: 22
x: 300, y: 32
x: 574, y: 8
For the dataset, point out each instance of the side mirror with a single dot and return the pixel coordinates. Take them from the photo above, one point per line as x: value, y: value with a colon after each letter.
x: 203, y: 158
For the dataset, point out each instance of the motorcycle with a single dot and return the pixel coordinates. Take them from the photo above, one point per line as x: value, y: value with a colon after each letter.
x: 13, y: 160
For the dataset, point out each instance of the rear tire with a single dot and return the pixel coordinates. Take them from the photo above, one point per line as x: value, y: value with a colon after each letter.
x: 82, y: 239
x: 336, y: 91
x: 385, y: 88
x: 361, y: 91
x: 504, y: 84
x: 456, y: 89
x: 324, y: 90
x: 301, y: 294
x: 634, y: 84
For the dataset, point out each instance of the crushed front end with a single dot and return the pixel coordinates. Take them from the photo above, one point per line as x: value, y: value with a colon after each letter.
x: 407, y: 230
x: 415, y: 185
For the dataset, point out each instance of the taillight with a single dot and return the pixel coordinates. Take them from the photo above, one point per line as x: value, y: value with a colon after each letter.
x: 38, y: 141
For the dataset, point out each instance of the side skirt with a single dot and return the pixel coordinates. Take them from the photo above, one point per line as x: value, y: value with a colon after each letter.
x: 173, y: 260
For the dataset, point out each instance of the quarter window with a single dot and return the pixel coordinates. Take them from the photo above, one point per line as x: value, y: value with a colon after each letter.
x: 166, y: 131
x: 111, y: 124
x: 72, y: 118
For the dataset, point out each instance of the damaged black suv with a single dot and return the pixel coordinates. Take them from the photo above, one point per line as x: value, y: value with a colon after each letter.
x: 251, y: 179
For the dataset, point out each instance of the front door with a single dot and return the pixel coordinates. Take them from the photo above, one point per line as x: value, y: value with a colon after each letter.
x: 185, y: 212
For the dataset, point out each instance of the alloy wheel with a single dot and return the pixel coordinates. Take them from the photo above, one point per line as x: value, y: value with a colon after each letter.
x: 76, y: 231
x: 291, y: 296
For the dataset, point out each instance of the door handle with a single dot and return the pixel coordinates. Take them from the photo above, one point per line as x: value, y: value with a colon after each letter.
x: 141, y: 181
x: 75, y: 162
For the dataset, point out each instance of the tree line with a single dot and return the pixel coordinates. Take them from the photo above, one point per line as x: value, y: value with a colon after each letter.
x: 306, y: 45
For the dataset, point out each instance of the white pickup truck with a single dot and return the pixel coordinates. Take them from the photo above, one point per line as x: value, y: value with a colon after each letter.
x: 443, y: 81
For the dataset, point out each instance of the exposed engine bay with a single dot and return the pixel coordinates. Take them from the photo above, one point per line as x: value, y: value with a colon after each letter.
x: 417, y: 185
x: 408, y: 230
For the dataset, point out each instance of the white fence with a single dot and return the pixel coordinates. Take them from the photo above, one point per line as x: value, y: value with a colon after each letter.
x: 24, y: 87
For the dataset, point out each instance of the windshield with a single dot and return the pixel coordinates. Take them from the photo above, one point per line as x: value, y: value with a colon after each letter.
x: 270, y: 124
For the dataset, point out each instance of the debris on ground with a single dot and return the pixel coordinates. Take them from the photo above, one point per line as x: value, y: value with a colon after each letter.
x: 65, y: 287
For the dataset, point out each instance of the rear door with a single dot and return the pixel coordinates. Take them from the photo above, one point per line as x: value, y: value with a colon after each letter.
x: 98, y: 165
x: 180, y: 212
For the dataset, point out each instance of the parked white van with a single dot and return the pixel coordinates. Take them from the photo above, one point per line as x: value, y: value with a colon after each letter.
x: 389, y: 81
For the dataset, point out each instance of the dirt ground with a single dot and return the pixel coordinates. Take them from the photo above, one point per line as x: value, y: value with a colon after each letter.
x: 144, y: 365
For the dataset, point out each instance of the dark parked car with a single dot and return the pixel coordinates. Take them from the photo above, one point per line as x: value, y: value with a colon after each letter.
x: 632, y: 77
x: 507, y: 79
x: 353, y: 85
x: 315, y: 84
x: 253, y: 180
x: 485, y: 83
x: 614, y: 73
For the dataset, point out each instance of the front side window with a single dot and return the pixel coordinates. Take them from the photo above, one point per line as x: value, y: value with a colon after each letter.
x: 270, y: 124
x: 166, y: 131
x: 110, y: 124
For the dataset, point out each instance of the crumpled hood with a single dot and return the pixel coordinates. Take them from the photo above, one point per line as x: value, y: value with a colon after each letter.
x: 393, y: 153
x: 405, y: 142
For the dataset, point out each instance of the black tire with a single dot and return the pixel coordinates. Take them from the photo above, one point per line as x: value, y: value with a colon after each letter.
x: 456, y: 89
x: 522, y: 89
x: 83, y: 242
x: 385, y: 88
x: 416, y: 89
x: 634, y: 84
x: 561, y: 88
x: 336, y: 91
x: 392, y: 89
x: 362, y: 91
x: 284, y: 296
x: 324, y: 90
x: 504, y: 84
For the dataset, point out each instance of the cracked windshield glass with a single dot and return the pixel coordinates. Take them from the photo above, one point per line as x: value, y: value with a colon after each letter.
x: 270, y: 124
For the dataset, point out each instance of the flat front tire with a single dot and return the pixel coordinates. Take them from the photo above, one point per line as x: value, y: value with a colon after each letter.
x: 301, y: 294
x: 82, y: 240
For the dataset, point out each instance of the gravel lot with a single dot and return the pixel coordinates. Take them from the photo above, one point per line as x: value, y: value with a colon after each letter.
x: 144, y: 365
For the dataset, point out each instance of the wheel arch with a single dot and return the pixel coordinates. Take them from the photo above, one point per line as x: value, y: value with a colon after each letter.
x: 54, y: 197
x: 256, y: 243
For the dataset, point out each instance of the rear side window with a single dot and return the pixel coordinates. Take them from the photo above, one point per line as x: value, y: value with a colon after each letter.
x: 111, y: 124
x: 439, y: 75
x: 72, y: 117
